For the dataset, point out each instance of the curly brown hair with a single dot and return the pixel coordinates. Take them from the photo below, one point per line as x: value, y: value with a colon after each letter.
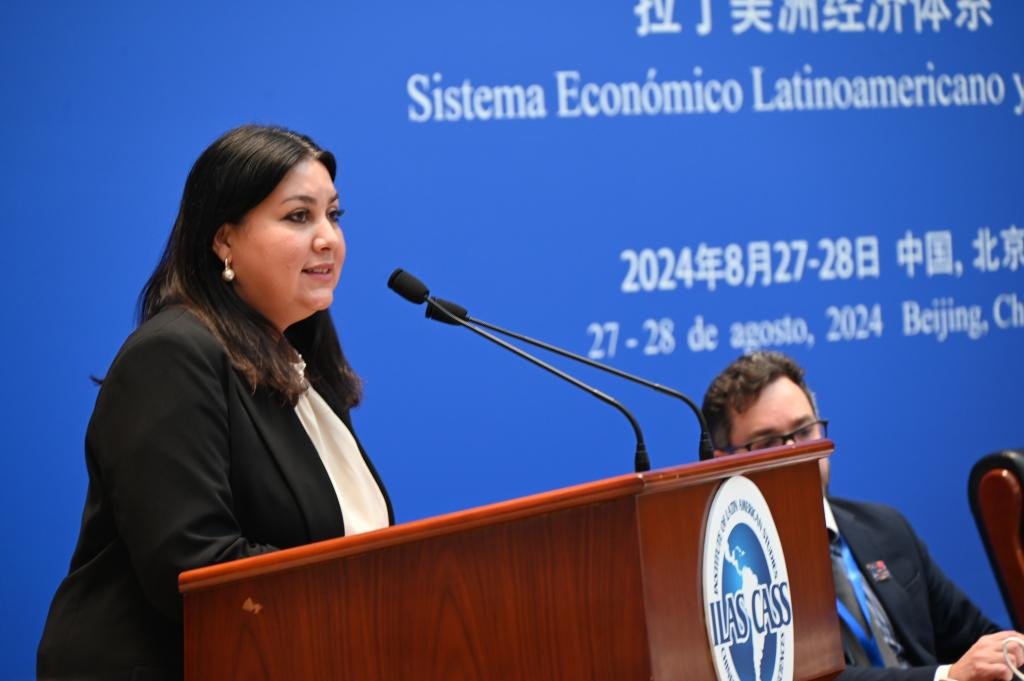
x: 740, y: 384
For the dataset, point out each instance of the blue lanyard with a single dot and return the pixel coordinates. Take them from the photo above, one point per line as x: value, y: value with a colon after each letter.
x: 867, y: 640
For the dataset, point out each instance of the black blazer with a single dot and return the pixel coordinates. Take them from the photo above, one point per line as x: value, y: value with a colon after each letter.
x: 932, y: 618
x: 187, y: 467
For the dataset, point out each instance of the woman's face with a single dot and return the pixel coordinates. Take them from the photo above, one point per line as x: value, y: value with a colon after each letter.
x: 288, y: 250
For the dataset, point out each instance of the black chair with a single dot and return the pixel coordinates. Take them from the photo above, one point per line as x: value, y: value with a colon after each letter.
x: 996, y: 493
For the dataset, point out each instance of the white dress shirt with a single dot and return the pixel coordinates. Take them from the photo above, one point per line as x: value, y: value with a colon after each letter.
x: 362, y: 504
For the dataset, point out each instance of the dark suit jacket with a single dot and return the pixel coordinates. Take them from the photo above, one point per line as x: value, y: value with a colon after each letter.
x: 932, y: 618
x: 187, y: 467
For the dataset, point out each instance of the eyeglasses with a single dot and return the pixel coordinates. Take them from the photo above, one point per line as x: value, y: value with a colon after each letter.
x: 815, y: 430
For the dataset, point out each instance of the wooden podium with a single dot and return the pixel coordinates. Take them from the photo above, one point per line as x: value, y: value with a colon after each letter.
x: 597, y: 581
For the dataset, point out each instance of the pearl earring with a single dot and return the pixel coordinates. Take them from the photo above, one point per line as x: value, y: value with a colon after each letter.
x: 228, y: 274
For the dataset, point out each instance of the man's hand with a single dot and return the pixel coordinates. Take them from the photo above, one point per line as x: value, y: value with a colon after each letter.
x: 984, y: 660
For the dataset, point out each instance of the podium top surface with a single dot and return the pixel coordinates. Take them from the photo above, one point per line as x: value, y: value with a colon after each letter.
x: 656, y: 481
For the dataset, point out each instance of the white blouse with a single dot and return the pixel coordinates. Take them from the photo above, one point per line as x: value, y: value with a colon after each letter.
x: 359, y: 496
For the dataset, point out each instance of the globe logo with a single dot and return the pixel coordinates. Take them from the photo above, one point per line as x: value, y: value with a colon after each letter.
x: 747, y: 605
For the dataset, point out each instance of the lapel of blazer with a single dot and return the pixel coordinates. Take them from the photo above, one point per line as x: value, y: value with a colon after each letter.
x: 298, y: 461
x: 866, y: 547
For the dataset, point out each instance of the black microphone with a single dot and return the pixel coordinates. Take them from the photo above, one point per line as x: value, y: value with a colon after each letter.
x: 414, y: 290
x: 454, y: 310
x: 706, y: 450
x: 408, y: 286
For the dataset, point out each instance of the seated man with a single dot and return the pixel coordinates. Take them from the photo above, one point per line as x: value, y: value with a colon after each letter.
x: 901, y: 618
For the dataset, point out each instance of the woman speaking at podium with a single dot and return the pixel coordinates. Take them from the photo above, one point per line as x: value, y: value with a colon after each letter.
x: 221, y: 429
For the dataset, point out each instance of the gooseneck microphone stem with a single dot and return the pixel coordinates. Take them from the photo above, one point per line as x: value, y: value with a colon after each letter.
x: 455, y: 311
x: 641, y: 462
x: 705, y: 439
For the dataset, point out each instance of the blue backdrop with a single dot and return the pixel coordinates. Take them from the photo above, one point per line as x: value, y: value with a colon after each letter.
x: 661, y: 184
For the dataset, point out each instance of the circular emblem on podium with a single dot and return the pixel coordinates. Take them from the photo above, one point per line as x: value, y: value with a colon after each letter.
x: 747, y: 603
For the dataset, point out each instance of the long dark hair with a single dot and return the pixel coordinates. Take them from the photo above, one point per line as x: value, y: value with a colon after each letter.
x: 232, y: 176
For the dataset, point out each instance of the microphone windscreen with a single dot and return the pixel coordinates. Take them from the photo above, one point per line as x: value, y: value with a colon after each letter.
x: 453, y: 308
x: 408, y: 286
